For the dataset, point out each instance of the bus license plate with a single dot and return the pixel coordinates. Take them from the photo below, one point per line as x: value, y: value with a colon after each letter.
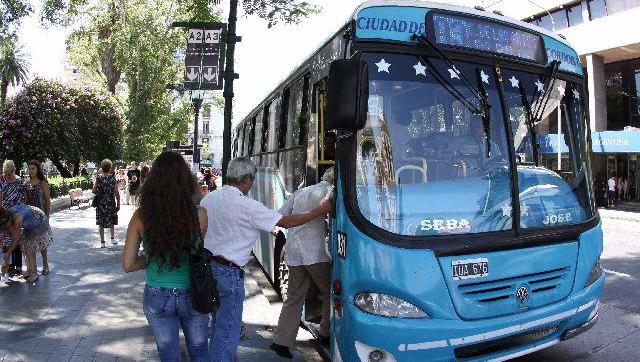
x: 470, y: 268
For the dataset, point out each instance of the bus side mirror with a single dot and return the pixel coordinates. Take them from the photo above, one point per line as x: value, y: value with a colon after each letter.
x: 347, y: 95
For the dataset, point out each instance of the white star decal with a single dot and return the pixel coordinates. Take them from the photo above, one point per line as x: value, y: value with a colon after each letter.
x: 576, y: 94
x: 561, y: 90
x: 506, y: 210
x: 540, y: 86
x: 524, y: 210
x: 454, y: 72
x: 484, y: 77
x: 514, y: 82
x: 420, y: 69
x: 383, y: 66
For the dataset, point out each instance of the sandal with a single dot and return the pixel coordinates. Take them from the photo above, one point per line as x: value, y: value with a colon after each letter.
x: 45, y: 270
x: 33, y: 278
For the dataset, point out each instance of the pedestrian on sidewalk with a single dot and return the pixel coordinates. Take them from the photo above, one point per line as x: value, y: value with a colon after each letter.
x: 133, y: 178
x: 11, y: 194
x: 308, y: 262
x: 169, y: 224
x: 36, y: 193
x: 29, y: 227
x: 106, y: 191
x: 611, y: 195
x: 234, y: 224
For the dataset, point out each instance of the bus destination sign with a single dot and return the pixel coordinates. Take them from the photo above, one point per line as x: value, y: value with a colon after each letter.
x: 483, y: 35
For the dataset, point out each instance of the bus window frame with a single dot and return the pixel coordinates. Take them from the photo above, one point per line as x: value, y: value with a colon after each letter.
x: 462, y: 244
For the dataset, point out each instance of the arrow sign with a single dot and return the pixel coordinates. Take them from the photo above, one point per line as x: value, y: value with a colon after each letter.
x: 193, y: 73
x: 210, y: 73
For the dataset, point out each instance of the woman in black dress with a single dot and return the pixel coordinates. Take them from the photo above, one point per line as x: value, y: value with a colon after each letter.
x: 108, y: 205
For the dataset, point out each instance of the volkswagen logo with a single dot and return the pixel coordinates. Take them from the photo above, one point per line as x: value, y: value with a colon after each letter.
x: 522, y: 294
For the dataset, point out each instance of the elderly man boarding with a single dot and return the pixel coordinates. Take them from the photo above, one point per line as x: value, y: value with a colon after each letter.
x: 308, y: 261
x: 234, y: 224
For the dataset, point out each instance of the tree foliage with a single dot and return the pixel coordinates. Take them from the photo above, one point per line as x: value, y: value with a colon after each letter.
x: 131, y: 41
x: 67, y: 125
x: 14, y: 66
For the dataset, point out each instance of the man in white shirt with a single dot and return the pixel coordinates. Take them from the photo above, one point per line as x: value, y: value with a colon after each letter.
x: 611, y: 195
x: 234, y: 224
x: 308, y: 261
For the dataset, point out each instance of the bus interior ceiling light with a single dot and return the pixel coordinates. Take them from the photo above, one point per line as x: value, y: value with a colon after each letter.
x: 387, y: 306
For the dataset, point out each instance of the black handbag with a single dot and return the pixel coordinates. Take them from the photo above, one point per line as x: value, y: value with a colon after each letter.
x: 204, y: 288
x: 96, y: 198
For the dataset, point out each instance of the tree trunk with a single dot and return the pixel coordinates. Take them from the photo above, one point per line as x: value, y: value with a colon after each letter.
x: 76, y: 168
x: 4, y: 85
x: 64, y: 172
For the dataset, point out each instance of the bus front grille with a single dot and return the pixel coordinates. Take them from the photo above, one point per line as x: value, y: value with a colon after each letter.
x: 502, y: 344
x: 504, y: 289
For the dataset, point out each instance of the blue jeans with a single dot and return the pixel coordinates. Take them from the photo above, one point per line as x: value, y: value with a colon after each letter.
x: 168, y: 309
x: 226, y: 320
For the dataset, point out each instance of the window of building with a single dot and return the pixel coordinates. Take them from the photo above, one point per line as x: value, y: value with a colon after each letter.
x: 559, y: 19
x: 545, y: 22
x: 574, y: 14
x: 597, y: 9
x: 205, y: 127
x: 206, y: 111
x: 622, y: 84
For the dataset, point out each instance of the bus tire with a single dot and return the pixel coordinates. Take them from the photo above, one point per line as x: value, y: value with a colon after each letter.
x: 281, y: 269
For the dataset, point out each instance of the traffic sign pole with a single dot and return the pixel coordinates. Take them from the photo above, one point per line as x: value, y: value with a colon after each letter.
x: 229, y: 76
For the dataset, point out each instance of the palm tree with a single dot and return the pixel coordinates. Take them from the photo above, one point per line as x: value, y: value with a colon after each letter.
x: 14, y: 67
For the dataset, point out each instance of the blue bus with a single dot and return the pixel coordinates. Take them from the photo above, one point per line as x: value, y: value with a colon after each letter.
x: 453, y: 236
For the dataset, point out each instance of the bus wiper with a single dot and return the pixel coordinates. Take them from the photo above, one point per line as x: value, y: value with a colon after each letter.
x: 480, y: 93
x: 534, y: 117
x: 486, y: 120
x: 546, y: 94
x: 528, y: 117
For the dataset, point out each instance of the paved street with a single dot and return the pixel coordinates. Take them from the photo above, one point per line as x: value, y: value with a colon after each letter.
x: 89, y: 310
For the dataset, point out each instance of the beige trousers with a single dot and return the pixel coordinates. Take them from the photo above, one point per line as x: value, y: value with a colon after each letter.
x: 300, y: 278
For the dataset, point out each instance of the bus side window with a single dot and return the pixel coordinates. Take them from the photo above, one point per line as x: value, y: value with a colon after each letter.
x: 326, y: 142
x: 265, y: 129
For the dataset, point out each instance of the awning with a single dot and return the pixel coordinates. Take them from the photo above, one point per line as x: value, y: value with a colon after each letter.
x: 602, y: 142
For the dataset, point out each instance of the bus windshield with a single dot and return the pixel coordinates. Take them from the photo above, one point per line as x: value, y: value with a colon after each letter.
x: 427, y: 165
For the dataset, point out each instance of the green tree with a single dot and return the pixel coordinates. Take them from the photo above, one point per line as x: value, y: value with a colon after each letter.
x: 14, y: 67
x: 131, y: 43
x: 66, y: 125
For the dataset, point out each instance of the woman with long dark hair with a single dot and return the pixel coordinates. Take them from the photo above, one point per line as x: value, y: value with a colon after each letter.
x: 169, y: 224
x: 36, y: 193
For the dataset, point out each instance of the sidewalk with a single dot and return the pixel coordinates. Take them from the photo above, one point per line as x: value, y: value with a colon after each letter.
x: 626, y: 210
x: 88, y: 309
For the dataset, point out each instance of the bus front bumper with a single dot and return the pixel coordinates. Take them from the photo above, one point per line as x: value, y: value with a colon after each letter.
x: 495, y: 339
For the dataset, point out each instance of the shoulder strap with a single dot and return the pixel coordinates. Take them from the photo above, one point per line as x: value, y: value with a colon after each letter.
x: 196, y: 225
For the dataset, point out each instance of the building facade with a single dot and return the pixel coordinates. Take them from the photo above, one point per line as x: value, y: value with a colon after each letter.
x: 209, y: 135
x: 605, y: 35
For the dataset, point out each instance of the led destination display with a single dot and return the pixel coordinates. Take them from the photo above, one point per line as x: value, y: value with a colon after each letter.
x: 474, y: 33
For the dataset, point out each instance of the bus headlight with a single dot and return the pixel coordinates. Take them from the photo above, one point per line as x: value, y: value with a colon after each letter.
x: 595, y: 273
x: 387, y: 306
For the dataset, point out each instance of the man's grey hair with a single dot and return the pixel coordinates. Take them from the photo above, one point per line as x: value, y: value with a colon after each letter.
x: 329, y: 175
x: 239, y: 168
x: 8, y: 167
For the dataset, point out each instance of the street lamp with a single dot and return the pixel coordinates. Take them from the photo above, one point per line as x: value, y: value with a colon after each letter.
x: 196, y: 99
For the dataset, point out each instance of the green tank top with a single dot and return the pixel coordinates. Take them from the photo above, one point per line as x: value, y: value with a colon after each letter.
x: 166, y: 276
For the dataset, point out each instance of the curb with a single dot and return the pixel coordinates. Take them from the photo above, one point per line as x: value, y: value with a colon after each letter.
x: 64, y: 202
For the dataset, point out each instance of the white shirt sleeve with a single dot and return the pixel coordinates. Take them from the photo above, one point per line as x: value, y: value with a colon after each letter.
x: 263, y: 218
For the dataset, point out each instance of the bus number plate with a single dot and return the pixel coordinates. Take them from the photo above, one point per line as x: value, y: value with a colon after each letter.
x: 470, y: 268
